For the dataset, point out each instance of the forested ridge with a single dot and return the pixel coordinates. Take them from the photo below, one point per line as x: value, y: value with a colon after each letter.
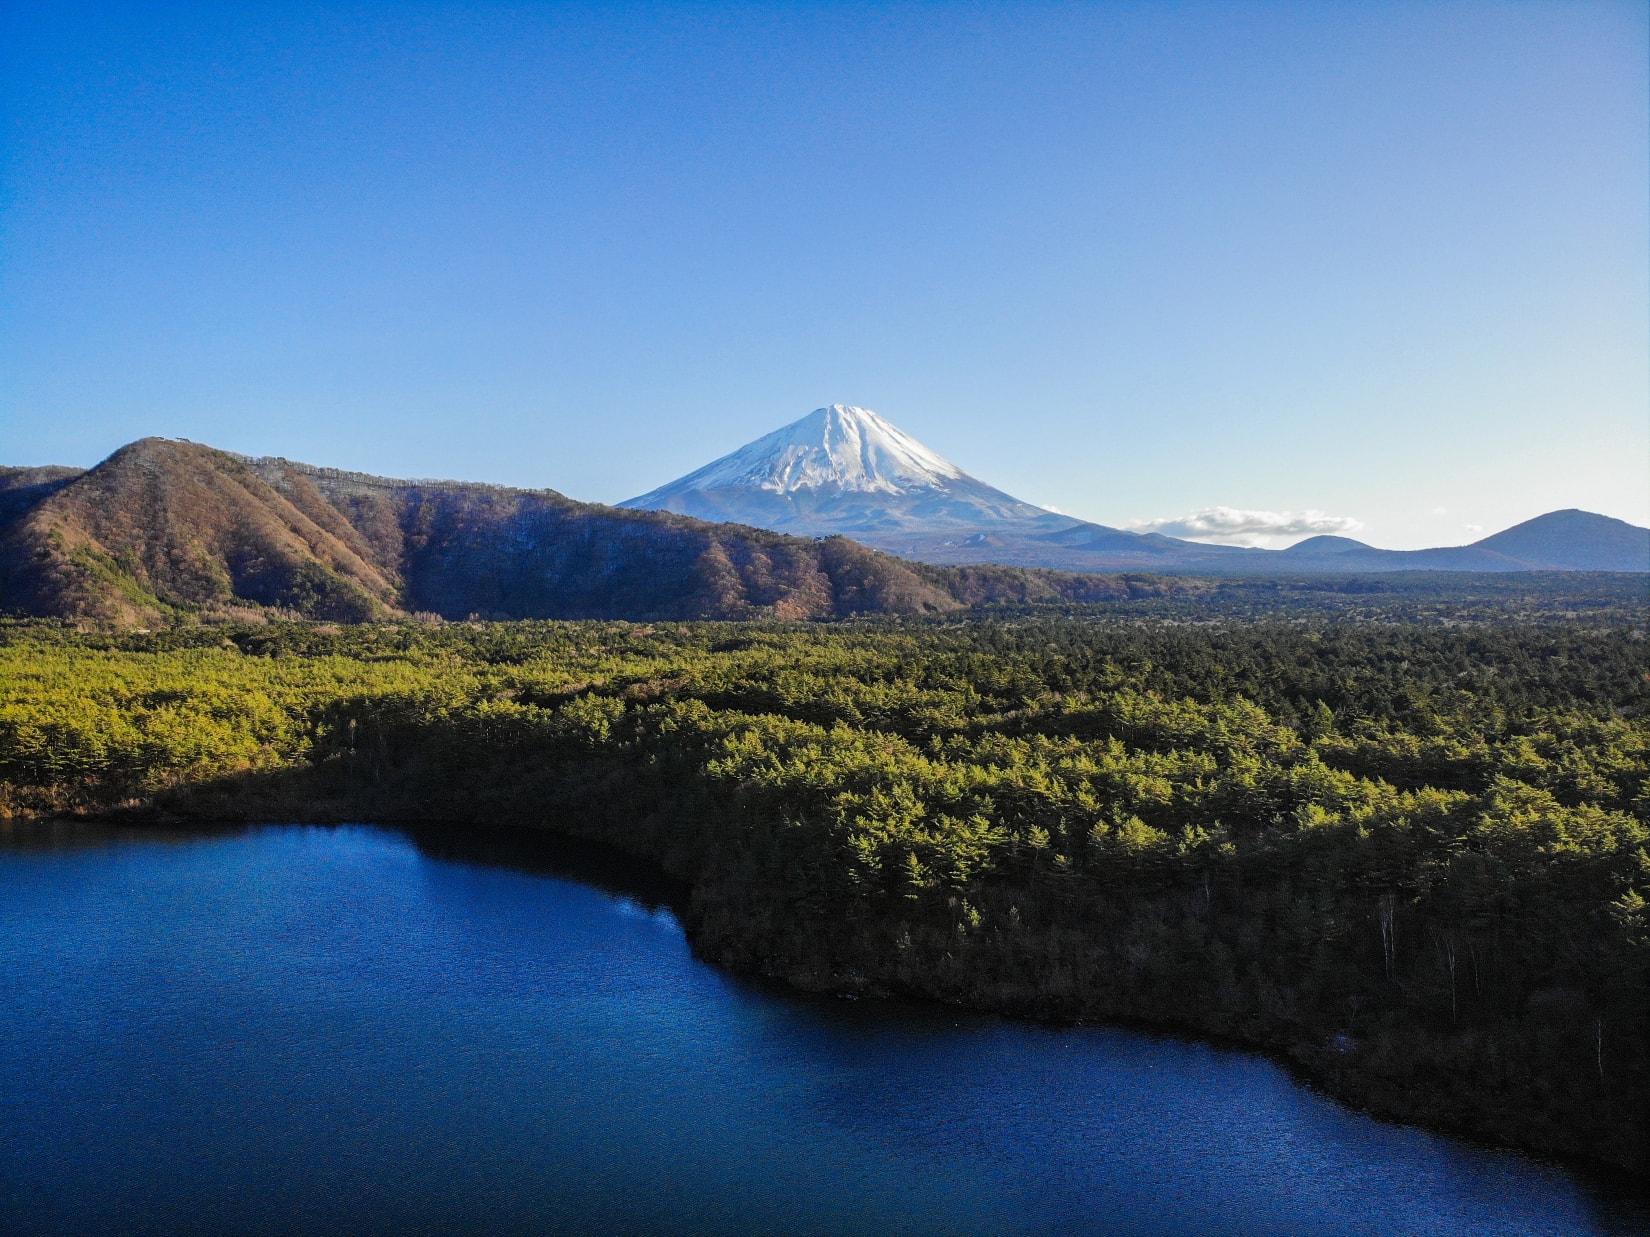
x: 1413, y: 855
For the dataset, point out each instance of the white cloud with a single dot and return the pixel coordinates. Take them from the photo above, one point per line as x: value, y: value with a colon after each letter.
x: 1473, y: 528
x: 1234, y: 526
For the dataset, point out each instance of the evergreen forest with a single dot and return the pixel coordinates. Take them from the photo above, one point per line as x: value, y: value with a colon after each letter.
x: 1410, y: 852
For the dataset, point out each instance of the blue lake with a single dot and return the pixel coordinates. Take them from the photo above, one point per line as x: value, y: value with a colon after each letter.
x: 336, y: 1030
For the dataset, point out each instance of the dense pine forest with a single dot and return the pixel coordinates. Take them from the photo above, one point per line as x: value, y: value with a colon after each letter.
x: 1408, y: 851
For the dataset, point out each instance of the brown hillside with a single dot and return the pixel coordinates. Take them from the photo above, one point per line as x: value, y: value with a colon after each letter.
x: 163, y: 526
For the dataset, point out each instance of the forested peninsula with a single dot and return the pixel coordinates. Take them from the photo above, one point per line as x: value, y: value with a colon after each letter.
x: 1409, y: 854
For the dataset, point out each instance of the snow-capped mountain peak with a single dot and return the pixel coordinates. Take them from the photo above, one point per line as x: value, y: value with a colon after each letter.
x: 838, y: 469
x: 840, y: 447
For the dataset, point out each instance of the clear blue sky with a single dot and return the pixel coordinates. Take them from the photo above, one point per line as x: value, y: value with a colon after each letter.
x: 1386, y: 261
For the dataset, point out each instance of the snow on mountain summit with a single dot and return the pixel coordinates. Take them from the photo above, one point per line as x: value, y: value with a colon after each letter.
x: 840, y: 447
x: 838, y: 469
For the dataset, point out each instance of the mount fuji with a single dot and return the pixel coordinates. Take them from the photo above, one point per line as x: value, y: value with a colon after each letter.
x: 843, y: 469
x: 846, y: 470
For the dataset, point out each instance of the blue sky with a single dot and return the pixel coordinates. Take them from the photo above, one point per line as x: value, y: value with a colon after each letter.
x: 1384, y: 262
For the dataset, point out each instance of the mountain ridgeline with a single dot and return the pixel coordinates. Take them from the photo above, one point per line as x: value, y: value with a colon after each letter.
x: 163, y: 528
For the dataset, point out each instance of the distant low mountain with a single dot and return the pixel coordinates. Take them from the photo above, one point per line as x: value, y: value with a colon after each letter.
x: 163, y: 528
x: 847, y: 470
x: 1326, y: 544
x: 1572, y: 540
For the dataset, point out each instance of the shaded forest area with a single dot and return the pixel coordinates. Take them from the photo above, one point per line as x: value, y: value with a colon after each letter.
x: 1410, y: 854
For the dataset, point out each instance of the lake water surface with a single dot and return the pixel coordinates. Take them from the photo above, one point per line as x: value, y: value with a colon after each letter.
x: 332, y: 1030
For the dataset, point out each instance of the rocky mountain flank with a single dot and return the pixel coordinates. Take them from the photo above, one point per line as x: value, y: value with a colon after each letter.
x: 163, y: 528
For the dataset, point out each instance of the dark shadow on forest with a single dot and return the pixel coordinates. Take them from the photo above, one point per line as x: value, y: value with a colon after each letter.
x: 542, y: 852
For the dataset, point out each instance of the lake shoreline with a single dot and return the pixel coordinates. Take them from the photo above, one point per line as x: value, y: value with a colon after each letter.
x: 428, y: 1027
x: 1317, y: 1066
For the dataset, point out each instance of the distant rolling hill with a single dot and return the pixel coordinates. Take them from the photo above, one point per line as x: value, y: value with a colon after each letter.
x: 843, y: 469
x: 1572, y: 540
x: 163, y: 528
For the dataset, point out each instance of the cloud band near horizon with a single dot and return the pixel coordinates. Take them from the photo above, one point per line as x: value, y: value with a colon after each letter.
x: 1242, y: 527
